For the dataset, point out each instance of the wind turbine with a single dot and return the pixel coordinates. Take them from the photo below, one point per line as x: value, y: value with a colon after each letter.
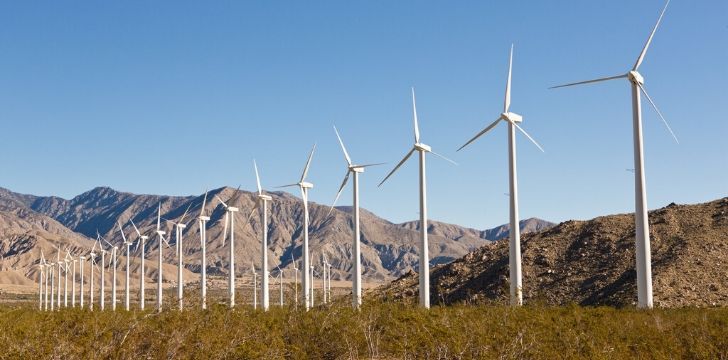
x: 230, y: 217
x: 512, y: 119
x: 92, y: 260
x: 203, y: 243
x: 114, y: 251
x: 642, y: 236
x: 422, y: 149
x: 128, y: 255
x: 73, y: 284
x: 356, y: 268
x: 41, y: 265
x: 47, y: 275
x: 162, y: 241
x: 295, y: 281
x: 305, y: 186
x: 82, y: 259
x: 60, y: 268
x: 102, y: 269
x: 261, y: 204
x: 52, y: 268
x: 179, y: 228
x: 280, y: 284
x: 65, y: 278
x: 142, y: 240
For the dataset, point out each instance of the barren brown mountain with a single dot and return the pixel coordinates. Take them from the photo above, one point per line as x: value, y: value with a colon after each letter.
x: 388, y: 250
x: 592, y: 263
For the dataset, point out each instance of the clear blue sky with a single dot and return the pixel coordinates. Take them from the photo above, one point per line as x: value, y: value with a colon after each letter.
x: 130, y: 94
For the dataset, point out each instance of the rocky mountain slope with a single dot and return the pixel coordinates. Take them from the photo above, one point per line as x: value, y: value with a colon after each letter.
x: 388, y: 250
x: 592, y: 263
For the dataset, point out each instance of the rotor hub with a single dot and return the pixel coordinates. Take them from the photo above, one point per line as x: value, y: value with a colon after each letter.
x: 423, y: 147
x: 635, y: 77
x: 305, y: 185
x: 510, y: 116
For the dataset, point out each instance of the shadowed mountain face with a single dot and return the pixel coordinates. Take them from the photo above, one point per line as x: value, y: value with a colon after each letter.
x: 592, y: 263
x: 388, y: 250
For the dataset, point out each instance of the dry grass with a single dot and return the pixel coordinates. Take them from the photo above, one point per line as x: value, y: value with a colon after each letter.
x: 377, y: 331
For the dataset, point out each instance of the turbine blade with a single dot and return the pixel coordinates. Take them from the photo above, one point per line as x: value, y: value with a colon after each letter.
x: 285, y: 186
x: 182, y: 220
x: 224, y: 231
x: 122, y: 231
x: 590, y: 81
x: 654, y: 106
x: 488, y: 128
x: 204, y: 202
x: 414, y: 113
x: 343, y: 148
x: 528, y: 136
x: 341, y: 188
x: 257, y: 178
x: 135, y: 228
x: 221, y: 202
x: 649, y: 39
x: 398, y: 165
x: 308, y: 163
x: 369, y: 165
x: 234, y: 197
x: 507, y: 102
x: 252, y: 211
x: 159, y: 215
x: 436, y: 154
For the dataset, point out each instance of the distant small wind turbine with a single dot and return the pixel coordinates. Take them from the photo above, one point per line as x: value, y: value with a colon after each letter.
x: 128, y: 255
x: 203, y: 243
x: 179, y: 229
x: 424, y: 262
x: 642, y: 230
x: 162, y: 241
x: 141, y: 241
x: 230, y: 217
x: 514, y: 254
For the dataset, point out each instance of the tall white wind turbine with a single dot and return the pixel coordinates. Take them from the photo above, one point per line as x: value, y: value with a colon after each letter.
x: 642, y: 231
x: 102, y: 270
x: 92, y: 263
x: 65, y: 278
x: 81, y: 261
x: 73, y: 283
x: 128, y: 255
x: 41, y: 265
x: 60, y: 267
x: 356, y: 260
x: 203, y: 245
x: 512, y: 119
x: 261, y: 204
x: 141, y: 241
x: 422, y: 149
x: 179, y: 229
x: 114, y: 253
x: 162, y: 241
x: 230, y: 217
x: 305, y: 187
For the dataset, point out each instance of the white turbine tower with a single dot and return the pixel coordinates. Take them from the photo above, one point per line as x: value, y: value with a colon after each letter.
x: 162, y: 241
x: 203, y: 243
x: 92, y: 262
x: 128, y: 255
x: 230, y: 217
x: 295, y: 281
x: 102, y: 270
x: 60, y: 267
x: 422, y: 149
x: 65, y: 279
x: 73, y: 284
x: 356, y: 268
x: 512, y: 119
x: 642, y: 231
x: 41, y: 265
x: 280, y: 284
x: 261, y: 204
x: 179, y: 229
x: 113, y: 264
x: 305, y: 186
x: 52, y: 268
x: 141, y: 241
x: 82, y: 259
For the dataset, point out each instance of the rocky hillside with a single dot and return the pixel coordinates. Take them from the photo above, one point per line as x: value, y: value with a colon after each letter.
x: 388, y: 250
x: 592, y: 263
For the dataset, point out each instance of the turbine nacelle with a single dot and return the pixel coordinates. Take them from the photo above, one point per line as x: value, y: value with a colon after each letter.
x: 181, y: 226
x: 512, y: 117
x: 356, y: 168
x: 161, y: 233
x: 204, y: 218
x: 635, y: 77
x: 267, y: 197
x: 423, y: 147
x: 234, y: 209
x: 144, y: 237
x: 305, y: 185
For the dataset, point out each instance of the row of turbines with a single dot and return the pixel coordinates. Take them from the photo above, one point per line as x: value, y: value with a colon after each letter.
x: 511, y: 119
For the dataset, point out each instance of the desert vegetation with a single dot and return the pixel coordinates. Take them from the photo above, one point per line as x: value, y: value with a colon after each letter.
x: 378, y: 331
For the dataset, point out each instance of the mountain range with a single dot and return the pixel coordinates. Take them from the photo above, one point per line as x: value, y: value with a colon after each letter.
x: 29, y: 224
